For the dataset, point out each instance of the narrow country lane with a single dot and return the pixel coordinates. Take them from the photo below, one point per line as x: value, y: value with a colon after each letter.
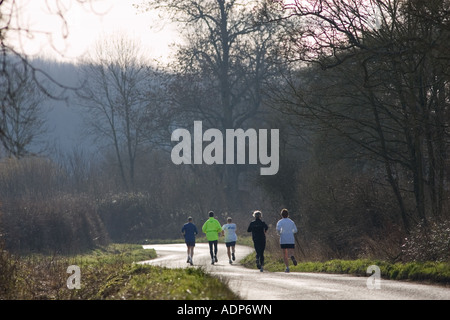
x: 251, y: 284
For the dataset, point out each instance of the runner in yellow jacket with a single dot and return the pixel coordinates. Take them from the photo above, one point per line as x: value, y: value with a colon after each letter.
x: 212, y: 228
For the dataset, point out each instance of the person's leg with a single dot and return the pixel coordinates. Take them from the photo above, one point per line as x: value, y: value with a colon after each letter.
x: 188, y: 252
x: 191, y: 253
x: 291, y: 255
x: 215, y: 250
x: 233, y: 249
x: 261, y: 255
x: 285, y: 257
x: 255, y: 245
x: 211, y: 252
x: 258, y: 254
x: 229, y: 252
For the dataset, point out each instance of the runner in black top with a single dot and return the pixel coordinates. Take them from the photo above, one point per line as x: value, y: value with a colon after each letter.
x: 258, y: 229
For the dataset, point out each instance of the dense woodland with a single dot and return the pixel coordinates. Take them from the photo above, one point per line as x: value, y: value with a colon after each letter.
x: 359, y: 91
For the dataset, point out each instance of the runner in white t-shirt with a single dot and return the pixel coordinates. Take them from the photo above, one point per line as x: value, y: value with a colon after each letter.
x: 286, y: 229
x: 229, y: 231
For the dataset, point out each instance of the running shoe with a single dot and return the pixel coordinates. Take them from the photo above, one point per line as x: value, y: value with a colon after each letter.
x: 293, y: 260
x: 287, y: 270
x: 232, y: 256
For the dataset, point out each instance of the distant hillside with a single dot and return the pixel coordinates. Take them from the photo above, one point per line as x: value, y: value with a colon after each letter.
x: 64, y: 120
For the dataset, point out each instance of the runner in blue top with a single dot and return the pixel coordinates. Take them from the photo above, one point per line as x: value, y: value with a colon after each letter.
x: 229, y: 231
x: 189, y: 232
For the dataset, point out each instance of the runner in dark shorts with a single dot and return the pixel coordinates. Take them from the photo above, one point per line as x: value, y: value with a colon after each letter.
x: 229, y: 232
x: 189, y: 232
x: 286, y: 228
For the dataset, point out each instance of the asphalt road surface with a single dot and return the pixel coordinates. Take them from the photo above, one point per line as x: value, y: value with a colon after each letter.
x: 251, y: 284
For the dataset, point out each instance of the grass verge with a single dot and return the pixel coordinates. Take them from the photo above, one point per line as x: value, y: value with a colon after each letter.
x: 431, y: 272
x: 108, y: 273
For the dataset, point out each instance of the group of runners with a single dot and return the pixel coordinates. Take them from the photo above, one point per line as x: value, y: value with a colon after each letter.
x: 286, y: 229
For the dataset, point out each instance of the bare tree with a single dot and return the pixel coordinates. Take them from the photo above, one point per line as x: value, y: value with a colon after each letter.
x: 389, y: 90
x: 13, y: 27
x: 222, y: 67
x: 22, y: 119
x: 113, y: 97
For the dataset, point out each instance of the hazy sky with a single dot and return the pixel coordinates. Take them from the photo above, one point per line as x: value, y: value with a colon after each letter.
x: 85, y: 24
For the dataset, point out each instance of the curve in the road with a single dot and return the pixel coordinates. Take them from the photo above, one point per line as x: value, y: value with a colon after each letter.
x: 251, y: 284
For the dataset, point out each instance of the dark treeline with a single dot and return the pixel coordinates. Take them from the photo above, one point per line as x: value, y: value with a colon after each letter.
x: 359, y: 93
